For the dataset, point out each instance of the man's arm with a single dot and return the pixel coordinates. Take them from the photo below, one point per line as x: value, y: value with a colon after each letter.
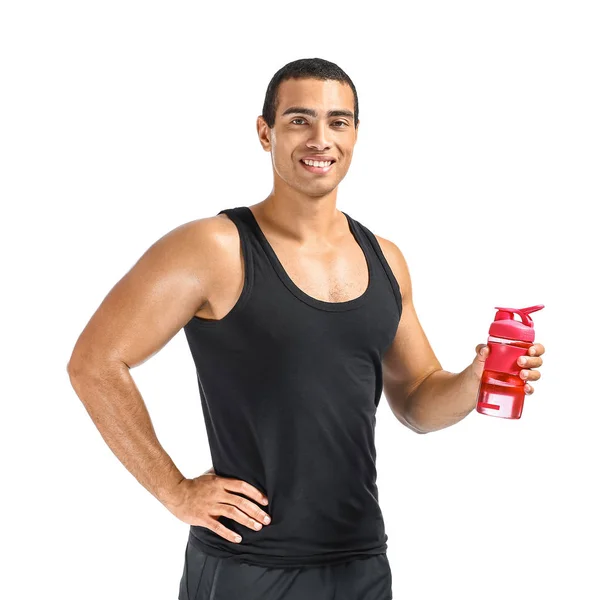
x: 420, y: 393
x: 143, y: 311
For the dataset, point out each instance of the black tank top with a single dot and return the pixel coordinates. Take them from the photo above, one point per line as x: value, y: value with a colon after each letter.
x: 289, y: 386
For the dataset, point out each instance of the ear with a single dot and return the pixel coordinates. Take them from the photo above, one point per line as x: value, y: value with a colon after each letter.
x: 264, y: 133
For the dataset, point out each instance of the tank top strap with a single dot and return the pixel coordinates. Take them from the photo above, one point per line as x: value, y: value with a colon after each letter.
x: 379, y: 258
x: 250, y: 237
x: 250, y: 248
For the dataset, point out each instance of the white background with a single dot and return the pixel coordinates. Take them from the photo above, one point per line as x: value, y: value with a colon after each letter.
x: 478, y: 155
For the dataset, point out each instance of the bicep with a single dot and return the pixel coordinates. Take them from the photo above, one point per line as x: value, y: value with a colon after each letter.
x: 410, y: 358
x: 148, y: 305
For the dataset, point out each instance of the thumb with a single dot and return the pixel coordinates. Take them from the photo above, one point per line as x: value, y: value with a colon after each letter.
x: 482, y: 351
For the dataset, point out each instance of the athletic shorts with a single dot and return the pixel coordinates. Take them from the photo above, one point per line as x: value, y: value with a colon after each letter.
x: 210, y: 578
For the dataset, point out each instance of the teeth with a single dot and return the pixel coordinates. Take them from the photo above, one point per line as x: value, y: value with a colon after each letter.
x: 315, y: 163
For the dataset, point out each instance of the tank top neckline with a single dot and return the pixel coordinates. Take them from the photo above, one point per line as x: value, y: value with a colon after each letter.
x: 298, y: 292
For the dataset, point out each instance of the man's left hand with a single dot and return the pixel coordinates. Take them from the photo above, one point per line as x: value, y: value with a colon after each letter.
x: 529, y: 362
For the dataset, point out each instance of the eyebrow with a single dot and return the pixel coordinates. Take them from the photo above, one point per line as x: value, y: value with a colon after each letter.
x: 313, y: 113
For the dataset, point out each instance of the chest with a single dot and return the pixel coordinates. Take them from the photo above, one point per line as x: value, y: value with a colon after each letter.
x: 337, y: 275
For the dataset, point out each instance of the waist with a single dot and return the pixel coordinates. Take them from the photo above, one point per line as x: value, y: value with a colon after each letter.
x: 302, y: 533
x: 213, y: 545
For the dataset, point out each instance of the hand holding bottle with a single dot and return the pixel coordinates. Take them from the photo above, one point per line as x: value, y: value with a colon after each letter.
x: 529, y: 362
x: 506, y: 362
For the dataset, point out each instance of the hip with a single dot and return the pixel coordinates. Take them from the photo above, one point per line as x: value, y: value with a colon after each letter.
x: 207, y: 577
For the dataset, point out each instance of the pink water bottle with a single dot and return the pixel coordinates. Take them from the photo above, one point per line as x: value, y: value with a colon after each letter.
x: 501, y: 390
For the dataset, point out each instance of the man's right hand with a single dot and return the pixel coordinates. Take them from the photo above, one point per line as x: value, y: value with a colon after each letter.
x: 202, y: 500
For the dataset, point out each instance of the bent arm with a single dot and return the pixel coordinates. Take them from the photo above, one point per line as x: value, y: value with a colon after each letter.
x: 420, y: 393
x: 142, y: 312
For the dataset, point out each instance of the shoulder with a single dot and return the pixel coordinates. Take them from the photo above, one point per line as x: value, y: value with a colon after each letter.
x: 202, y: 247
x: 201, y: 236
x: 397, y: 263
x: 205, y: 232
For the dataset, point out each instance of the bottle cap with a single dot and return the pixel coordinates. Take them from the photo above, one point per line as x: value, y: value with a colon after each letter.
x: 505, y: 325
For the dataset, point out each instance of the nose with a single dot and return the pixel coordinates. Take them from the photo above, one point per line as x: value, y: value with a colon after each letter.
x: 319, y: 136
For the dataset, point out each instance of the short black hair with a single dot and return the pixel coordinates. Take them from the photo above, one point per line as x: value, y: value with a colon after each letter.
x: 304, y: 68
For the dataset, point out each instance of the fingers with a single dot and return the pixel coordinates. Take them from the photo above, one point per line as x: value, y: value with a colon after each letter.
x: 246, y: 506
x: 530, y: 375
x: 530, y: 361
x: 209, y: 496
x: 537, y: 349
x: 227, y: 506
x: 527, y: 374
x: 215, y: 525
x: 235, y: 507
x: 243, y: 487
x: 234, y: 513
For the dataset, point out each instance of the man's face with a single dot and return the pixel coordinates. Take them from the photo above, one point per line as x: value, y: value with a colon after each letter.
x: 305, y: 126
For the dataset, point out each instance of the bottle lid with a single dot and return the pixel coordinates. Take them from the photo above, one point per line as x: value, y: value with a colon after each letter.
x: 505, y: 325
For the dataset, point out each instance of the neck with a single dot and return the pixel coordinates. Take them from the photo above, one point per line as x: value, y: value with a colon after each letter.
x: 304, y: 219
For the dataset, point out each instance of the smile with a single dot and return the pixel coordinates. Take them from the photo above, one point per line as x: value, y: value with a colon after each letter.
x: 317, y: 166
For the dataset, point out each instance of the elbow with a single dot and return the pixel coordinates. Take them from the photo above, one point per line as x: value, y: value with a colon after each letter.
x: 407, y: 422
x: 80, y: 368
x: 415, y: 424
x: 418, y: 429
x: 77, y: 366
x: 77, y: 362
x: 72, y: 369
x: 77, y: 372
x: 93, y: 362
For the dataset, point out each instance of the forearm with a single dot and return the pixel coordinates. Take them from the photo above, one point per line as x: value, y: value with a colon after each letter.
x: 116, y: 407
x: 442, y: 399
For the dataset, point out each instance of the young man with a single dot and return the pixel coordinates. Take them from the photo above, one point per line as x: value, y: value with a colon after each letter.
x: 297, y: 317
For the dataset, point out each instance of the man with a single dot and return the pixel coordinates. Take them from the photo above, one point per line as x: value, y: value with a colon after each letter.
x: 297, y: 317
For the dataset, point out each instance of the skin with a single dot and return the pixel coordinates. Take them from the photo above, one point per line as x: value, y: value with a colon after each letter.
x: 180, y: 276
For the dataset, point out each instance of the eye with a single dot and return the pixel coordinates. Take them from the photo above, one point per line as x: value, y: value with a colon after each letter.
x: 342, y: 122
x: 297, y: 119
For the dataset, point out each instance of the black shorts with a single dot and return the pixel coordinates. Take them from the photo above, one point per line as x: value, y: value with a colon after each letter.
x: 210, y: 578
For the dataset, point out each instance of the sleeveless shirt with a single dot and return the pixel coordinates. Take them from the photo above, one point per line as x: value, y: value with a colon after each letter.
x: 289, y: 386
